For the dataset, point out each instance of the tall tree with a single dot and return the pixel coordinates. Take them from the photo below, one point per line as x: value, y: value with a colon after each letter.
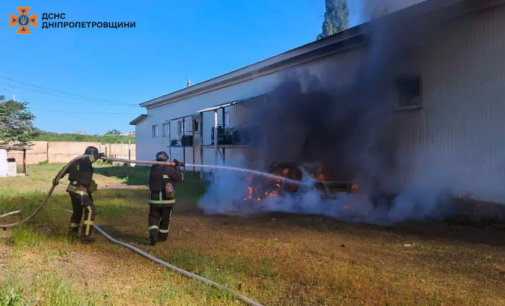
x: 16, y: 123
x: 336, y: 18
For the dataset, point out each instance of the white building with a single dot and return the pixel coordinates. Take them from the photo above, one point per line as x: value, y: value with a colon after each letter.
x: 456, y: 119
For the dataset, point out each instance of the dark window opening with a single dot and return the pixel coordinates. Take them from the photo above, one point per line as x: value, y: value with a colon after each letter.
x: 409, y: 93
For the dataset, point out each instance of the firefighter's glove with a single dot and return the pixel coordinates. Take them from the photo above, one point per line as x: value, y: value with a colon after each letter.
x: 56, y: 181
x: 93, y: 187
x: 100, y: 155
x: 178, y: 163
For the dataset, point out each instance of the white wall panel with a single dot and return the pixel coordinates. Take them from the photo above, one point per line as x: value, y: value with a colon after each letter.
x: 456, y: 139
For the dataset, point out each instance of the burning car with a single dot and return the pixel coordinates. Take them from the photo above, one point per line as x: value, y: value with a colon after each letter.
x: 324, y: 181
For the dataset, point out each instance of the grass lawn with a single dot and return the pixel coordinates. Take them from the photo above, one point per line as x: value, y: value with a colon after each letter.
x: 275, y: 259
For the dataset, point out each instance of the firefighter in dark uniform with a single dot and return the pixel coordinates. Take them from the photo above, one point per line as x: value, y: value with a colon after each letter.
x: 80, y: 188
x: 162, y: 186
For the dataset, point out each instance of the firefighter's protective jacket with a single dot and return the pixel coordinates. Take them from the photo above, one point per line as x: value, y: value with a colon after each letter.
x: 80, y: 174
x: 158, y: 178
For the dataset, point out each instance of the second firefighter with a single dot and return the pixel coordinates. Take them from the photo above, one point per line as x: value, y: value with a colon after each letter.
x: 162, y: 181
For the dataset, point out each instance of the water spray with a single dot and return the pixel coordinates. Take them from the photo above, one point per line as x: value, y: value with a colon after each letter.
x: 260, y: 173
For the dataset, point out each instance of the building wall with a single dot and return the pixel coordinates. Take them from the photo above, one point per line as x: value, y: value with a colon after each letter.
x: 456, y: 139
x: 145, y: 144
x: 148, y: 146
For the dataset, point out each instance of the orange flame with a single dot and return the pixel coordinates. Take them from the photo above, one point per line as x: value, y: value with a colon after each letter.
x: 273, y: 186
x: 252, y: 191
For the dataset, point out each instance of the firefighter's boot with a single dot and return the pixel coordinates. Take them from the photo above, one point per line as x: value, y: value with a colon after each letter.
x: 87, y: 232
x: 88, y: 238
x: 73, y: 231
x: 162, y: 236
x: 153, y: 236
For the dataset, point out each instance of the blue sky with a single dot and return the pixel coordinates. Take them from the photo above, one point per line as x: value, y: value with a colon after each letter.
x: 134, y: 65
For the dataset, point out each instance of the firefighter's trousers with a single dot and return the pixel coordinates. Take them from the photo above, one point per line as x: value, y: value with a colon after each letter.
x: 159, y: 222
x: 81, y: 201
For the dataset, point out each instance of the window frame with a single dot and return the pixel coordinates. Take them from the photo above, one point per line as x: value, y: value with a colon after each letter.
x: 196, y: 124
x: 181, y: 127
x: 163, y: 134
x: 155, y: 132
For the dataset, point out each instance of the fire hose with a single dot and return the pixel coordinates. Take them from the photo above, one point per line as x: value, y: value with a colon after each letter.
x: 136, y: 250
x: 179, y: 270
x: 36, y: 211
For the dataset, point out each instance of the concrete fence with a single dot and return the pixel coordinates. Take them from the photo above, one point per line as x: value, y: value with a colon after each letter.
x: 62, y: 152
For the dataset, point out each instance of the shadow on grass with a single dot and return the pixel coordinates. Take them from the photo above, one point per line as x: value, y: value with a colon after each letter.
x: 425, y: 230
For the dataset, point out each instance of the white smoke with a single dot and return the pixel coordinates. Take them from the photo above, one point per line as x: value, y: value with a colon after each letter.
x: 421, y: 199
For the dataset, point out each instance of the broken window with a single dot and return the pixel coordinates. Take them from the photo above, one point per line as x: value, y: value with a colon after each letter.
x: 409, y: 90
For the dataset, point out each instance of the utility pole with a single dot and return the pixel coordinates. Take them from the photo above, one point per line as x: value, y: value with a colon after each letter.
x: 14, y: 98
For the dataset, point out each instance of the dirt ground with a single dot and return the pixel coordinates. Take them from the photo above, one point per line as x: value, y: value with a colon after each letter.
x: 280, y: 259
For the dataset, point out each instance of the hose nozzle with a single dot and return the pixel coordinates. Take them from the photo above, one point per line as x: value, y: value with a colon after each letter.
x: 178, y: 163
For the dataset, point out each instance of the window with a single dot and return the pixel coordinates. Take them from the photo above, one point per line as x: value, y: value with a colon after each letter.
x: 409, y: 93
x: 166, y: 129
x: 181, y: 128
x: 155, y: 131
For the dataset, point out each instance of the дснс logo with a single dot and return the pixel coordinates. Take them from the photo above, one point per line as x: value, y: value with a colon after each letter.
x: 23, y: 20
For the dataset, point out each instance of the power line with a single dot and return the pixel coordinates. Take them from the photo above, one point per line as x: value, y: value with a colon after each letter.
x: 52, y: 93
x: 65, y: 112
x: 104, y: 100
x: 38, y: 101
x: 70, y: 98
